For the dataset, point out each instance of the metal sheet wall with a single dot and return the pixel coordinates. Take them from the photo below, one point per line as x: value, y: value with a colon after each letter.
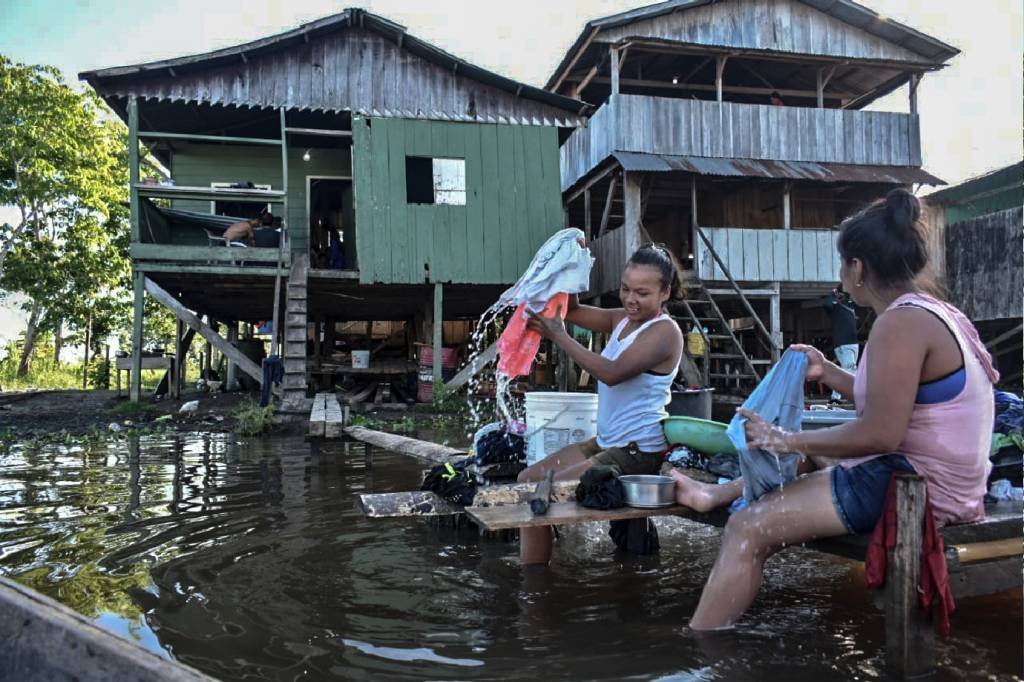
x: 512, y: 205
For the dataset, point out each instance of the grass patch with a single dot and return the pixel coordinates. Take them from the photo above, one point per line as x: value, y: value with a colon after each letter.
x: 251, y: 419
x: 130, y: 409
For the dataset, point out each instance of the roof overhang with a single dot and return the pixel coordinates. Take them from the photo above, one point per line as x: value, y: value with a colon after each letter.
x: 789, y: 170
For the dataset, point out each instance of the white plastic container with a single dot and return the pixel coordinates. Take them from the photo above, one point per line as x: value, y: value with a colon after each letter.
x: 360, y: 359
x: 554, y: 420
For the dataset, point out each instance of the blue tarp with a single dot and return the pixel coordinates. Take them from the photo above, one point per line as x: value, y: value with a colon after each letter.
x: 779, y: 399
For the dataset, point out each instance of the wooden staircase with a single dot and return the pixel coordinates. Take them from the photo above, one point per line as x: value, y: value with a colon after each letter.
x: 295, y: 335
x: 726, y: 365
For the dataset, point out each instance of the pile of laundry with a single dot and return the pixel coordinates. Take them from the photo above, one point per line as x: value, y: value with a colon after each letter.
x: 1007, y: 450
x: 499, y: 452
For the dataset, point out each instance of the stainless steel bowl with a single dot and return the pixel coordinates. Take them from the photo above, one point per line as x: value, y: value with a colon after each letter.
x: 648, y: 491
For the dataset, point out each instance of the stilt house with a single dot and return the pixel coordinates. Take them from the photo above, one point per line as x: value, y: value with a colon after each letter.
x: 980, y: 229
x: 412, y: 185
x: 735, y: 132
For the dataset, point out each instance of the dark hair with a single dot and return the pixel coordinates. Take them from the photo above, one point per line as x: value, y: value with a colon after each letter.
x: 888, y: 237
x: 658, y: 256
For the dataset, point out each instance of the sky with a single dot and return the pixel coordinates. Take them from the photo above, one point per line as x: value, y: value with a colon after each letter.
x: 971, y: 112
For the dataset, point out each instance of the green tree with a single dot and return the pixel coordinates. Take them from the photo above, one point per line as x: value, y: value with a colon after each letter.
x: 63, y: 166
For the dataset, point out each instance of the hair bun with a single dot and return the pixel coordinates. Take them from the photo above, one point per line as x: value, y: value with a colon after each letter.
x: 902, y: 209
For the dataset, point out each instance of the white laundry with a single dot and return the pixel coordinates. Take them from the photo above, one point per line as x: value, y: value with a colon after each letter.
x: 561, y: 265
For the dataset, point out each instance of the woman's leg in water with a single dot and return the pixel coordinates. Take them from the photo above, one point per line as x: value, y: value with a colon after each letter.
x: 568, y: 464
x: 801, y: 511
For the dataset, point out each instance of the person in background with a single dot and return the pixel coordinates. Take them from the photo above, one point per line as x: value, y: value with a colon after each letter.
x: 776, y: 99
x: 844, y: 332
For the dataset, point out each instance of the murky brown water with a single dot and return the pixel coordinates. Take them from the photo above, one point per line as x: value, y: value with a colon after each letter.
x: 248, y: 560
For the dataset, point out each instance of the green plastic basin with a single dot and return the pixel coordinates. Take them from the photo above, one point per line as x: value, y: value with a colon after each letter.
x: 700, y: 434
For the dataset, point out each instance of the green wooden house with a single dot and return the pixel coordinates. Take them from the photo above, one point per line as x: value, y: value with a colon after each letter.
x: 412, y: 185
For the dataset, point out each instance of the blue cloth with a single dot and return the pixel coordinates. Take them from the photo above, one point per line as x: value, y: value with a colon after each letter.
x: 273, y: 373
x: 858, y: 493
x: 1009, y: 413
x: 779, y: 399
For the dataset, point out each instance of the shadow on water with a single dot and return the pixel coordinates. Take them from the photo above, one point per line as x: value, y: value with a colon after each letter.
x: 247, y: 559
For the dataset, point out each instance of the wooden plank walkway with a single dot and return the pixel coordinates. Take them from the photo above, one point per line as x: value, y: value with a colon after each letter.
x: 420, y: 449
x: 325, y: 418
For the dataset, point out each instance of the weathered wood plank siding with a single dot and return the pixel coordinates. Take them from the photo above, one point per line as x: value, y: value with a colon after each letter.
x: 985, y: 265
x: 198, y: 165
x: 512, y: 205
x: 764, y: 255
x: 660, y: 125
x: 775, y: 25
x: 353, y: 70
x: 609, y: 252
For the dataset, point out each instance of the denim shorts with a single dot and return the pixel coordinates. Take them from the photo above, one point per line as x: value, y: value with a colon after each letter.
x: 858, y: 493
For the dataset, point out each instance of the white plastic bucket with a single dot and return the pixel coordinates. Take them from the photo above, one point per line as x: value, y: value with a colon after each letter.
x: 360, y: 359
x: 554, y: 420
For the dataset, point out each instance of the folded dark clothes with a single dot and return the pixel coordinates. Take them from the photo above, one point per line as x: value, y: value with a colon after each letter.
x: 599, y: 488
x: 724, y: 465
x: 636, y: 536
x: 451, y: 482
x: 1009, y: 413
x: 500, y: 446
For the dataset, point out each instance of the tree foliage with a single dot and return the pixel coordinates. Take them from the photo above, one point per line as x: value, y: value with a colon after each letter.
x: 63, y: 166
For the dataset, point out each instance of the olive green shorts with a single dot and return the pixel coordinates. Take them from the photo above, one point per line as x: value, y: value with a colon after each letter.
x: 630, y: 460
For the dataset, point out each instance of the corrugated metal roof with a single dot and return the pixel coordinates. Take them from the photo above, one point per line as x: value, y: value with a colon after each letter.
x: 114, y: 81
x: 1006, y: 177
x: 793, y: 170
x: 844, y: 10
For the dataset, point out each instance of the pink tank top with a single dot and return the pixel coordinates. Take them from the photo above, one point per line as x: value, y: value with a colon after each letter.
x: 948, y: 442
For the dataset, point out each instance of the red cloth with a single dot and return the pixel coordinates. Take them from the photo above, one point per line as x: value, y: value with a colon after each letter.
x: 934, y: 581
x: 518, y: 345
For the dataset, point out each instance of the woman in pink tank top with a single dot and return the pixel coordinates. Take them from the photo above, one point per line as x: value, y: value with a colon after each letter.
x: 923, y: 393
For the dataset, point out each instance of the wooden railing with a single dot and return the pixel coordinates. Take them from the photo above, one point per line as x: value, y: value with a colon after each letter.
x: 731, y: 130
x: 766, y: 255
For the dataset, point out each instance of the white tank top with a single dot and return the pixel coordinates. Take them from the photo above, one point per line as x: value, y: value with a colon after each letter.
x: 633, y: 410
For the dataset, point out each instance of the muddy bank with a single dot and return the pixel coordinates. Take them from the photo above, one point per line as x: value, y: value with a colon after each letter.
x: 32, y: 414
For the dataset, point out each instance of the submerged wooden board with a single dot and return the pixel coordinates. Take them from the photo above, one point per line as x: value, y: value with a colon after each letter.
x: 430, y: 452
x: 561, y: 513
x: 423, y: 503
x: 318, y: 416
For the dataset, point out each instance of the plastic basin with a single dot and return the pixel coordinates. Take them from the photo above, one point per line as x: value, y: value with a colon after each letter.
x: 700, y: 434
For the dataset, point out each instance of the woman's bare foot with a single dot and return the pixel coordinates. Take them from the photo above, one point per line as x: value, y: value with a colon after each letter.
x: 703, y: 497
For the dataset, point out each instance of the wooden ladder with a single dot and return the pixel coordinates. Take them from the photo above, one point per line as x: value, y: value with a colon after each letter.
x: 718, y: 364
x: 295, y: 335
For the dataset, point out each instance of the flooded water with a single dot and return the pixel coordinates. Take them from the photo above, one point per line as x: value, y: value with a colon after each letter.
x: 248, y: 560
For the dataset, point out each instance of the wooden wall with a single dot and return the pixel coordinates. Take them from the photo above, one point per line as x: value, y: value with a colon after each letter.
x: 775, y: 25
x: 513, y: 203
x: 197, y: 165
x: 985, y: 265
x: 731, y: 130
x: 758, y: 255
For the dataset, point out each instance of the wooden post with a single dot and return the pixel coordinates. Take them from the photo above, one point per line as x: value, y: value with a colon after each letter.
x: 631, y: 196
x: 775, y: 314
x: 133, y: 167
x: 821, y: 87
x: 586, y: 213
x: 231, y: 380
x: 135, y: 380
x: 607, y: 212
x: 179, y: 358
x: 915, y: 80
x: 693, y: 224
x: 613, y: 60
x: 106, y: 361
x: 909, y: 636
x: 787, y: 205
x: 330, y: 333
x: 438, y: 334
x: 719, y: 70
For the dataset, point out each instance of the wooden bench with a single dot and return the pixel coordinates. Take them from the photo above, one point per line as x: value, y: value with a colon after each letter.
x: 159, y: 362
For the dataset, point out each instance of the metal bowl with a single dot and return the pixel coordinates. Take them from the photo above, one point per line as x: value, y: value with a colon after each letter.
x: 648, y: 491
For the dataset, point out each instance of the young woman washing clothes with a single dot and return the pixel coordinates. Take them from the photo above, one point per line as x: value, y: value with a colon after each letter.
x: 923, y: 393
x: 634, y: 374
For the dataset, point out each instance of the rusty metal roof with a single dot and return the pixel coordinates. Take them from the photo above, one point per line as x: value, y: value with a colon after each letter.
x: 793, y: 170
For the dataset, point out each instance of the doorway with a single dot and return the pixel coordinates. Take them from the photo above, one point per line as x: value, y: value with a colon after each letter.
x: 331, y: 222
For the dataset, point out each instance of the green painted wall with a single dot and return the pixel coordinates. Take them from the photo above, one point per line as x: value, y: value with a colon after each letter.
x: 974, y: 207
x: 513, y: 202
x: 201, y: 164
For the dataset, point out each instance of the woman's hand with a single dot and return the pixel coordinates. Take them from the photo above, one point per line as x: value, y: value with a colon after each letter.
x: 815, y: 361
x: 551, y: 328
x: 761, y: 434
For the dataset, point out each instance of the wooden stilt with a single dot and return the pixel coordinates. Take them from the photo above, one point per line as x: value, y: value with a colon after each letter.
x: 438, y: 334
x: 135, y: 379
